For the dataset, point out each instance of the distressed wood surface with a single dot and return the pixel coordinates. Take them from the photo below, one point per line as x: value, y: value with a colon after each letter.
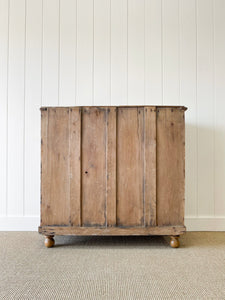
x: 153, y: 230
x: 150, y: 166
x: 118, y: 168
x: 44, y: 162
x: 111, y: 166
x: 130, y: 164
x: 75, y: 166
x: 55, y: 165
x: 170, y: 167
x: 93, y: 166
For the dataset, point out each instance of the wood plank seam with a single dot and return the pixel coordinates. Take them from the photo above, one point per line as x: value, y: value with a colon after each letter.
x: 117, y: 111
x: 81, y: 165
x: 106, y: 166
x: 150, y: 166
x: 111, y: 167
x: 144, y: 166
x: 153, y: 213
x: 156, y: 185
x: 69, y: 167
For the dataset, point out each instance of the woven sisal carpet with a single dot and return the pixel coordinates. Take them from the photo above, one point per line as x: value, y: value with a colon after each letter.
x: 112, y: 267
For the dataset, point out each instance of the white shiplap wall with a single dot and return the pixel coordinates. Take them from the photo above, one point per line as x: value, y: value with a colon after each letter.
x: 102, y: 52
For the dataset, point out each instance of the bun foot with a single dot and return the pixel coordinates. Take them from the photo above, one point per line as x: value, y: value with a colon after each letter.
x: 174, y: 241
x: 49, y: 241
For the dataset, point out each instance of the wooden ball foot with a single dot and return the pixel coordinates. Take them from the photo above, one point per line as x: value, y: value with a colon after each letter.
x: 174, y: 241
x: 49, y: 241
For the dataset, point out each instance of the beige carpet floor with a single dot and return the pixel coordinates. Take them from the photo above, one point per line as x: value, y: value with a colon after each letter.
x: 112, y: 267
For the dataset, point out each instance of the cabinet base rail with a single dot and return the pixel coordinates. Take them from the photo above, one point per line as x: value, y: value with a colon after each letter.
x: 173, y: 231
x: 74, y: 230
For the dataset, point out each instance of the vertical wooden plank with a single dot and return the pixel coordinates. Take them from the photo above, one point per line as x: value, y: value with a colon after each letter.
x: 4, y: 23
x: 205, y: 108
x: 67, y: 52
x: 150, y: 165
x: 45, y: 179
x: 130, y: 166
x: 136, y: 61
x: 84, y: 52
x: 170, y: 166
x: 56, y: 193
x: 153, y: 52
x: 101, y: 52
x: 94, y: 166
x: 219, y: 167
x: 170, y: 40
x: 16, y: 108
x: 119, y: 52
x: 50, y: 53
x: 32, y: 105
x: 111, y: 166
x: 75, y: 166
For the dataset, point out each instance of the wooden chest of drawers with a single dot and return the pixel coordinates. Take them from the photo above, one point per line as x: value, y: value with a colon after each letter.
x: 112, y: 171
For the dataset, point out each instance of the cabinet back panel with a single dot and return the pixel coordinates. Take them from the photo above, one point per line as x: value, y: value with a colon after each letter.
x: 112, y: 166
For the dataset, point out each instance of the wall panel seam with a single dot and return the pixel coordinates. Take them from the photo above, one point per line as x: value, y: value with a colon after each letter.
x: 109, y: 56
x: 7, y: 120
x: 197, y: 133
x: 127, y: 49
x: 59, y: 50
x: 42, y: 24
x: 179, y: 51
x: 24, y: 103
x: 93, y: 53
x: 214, y: 118
x: 76, y: 59
x: 145, y: 30
x: 162, y: 60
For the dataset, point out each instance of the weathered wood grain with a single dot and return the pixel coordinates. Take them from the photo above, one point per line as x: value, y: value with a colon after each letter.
x: 111, y: 166
x: 154, y: 230
x: 75, y: 165
x: 170, y: 166
x: 130, y: 165
x: 112, y: 170
x: 150, y: 165
x: 44, y: 162
x: 55, y: 166
x: 93, y: 166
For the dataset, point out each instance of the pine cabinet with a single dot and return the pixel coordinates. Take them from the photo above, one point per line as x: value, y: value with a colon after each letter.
x: 112, y: 171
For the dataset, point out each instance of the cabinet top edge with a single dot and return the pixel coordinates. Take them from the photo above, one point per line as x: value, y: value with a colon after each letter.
x: 184, y: 108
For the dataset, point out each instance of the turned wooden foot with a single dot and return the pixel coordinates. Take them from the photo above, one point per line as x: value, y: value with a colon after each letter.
x: 174, y: 241
x: 49, y: 241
